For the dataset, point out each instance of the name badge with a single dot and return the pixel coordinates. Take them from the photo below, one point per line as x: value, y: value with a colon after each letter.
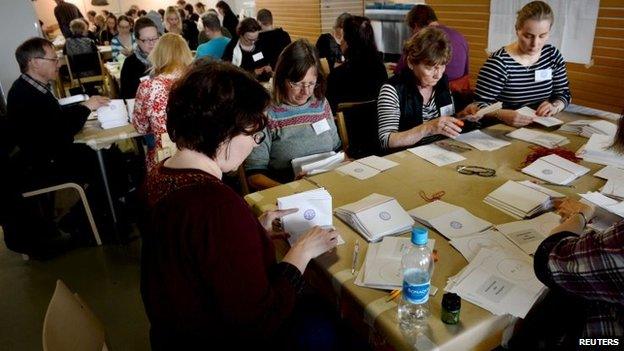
x: 257, y: 56
x: 543, y: 74
x: 144, y: 78
x: 321, y: 126
x: 447, y: 110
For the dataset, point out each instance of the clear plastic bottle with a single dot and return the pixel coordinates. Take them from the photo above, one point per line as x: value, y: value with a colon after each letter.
x: 417, y: 268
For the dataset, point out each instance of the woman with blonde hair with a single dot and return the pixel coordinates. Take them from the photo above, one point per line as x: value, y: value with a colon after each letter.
x: 169, y: 60
x: 173, y: 21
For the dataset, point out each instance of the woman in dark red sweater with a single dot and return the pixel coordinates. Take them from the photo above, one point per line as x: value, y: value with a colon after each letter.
x: 208, y: 273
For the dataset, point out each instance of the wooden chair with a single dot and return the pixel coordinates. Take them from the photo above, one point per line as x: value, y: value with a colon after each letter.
x: 324, y: 66
x: 357, y: 128
x: 83, y: 198
x: 70, y: 325
x: 86, y: 68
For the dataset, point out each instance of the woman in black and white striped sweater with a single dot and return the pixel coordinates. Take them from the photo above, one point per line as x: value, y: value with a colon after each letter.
x: 528, y: 72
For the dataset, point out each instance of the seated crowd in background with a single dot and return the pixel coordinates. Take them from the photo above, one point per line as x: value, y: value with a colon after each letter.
x: 328, y: 44
x: 247, y: 52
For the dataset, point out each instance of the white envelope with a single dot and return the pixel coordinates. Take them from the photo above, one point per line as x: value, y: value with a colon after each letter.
x: 315, y: 209
x: 358, y: 170
x: 555, y: 169
x: 450, y: 220
x: 436, y: 155
x: 481, y: 141
x: 379, y: 163
x: 115, y: 111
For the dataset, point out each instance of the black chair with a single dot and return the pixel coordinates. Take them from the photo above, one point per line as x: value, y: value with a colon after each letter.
x: 357, y: 126
x: 85, y: 68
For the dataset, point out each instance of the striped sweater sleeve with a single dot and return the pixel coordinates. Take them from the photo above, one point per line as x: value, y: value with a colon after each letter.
x: 388, y: 114
x: 561, y: 89
x: 491, y: 81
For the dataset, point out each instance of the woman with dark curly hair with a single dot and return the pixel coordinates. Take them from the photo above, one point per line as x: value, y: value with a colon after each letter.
x: 208, y: 270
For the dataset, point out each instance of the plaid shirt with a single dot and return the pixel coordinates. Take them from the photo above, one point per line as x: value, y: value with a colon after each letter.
x: 589, y: 266
x: 44, y: 89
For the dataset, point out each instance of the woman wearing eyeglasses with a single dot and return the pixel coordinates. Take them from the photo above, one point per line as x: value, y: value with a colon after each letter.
x: 300, y: 119
x: 170, y: 57
x: 137, y: 64
x: 208, y: 269
x: 123, y: 43
x: 246, y: 51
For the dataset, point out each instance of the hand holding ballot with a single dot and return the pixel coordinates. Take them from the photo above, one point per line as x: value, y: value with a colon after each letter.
x: 95, y: 102
x: 271, y: 222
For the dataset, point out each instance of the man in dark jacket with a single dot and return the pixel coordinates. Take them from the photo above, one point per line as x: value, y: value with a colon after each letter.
x: 44, y: 130
x: 65, y: 13
x: 273, y: 40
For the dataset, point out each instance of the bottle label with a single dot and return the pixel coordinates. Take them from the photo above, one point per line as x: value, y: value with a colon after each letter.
x: 416, y: 293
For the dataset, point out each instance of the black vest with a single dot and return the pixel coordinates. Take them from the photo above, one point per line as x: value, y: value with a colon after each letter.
x: 410, y: 100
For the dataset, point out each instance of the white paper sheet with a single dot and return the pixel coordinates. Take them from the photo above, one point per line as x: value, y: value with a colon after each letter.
x: 548, y: 140
x: 482, y: 141
x: 470, y: 245
x: 436, y: 155
x: 379, y: 163
x: 555, y: 169
x: 528, y: 234
x: 450, y: 220
x: 358, y: 170
x: 609, y: 172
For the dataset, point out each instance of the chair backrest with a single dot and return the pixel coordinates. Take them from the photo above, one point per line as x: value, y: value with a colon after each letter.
x: 84, y: 65
x: 324, y: 66
x: 357, y: 123
x: 70, y: 325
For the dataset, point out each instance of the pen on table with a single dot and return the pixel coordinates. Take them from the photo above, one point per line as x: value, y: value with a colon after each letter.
x: 356, y: 252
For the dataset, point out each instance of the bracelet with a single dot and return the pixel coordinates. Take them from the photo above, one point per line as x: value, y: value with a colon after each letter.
x: 584, y: 218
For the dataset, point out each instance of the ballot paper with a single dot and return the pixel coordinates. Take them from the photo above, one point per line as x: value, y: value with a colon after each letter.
x: 482, y: 141
x: 115, y: 114
x: 545, y: 121
x: 575, y: 127
x: 609, y: 172
x: 375, y: 216
x: 470, y: 245
x: 599, y: 127
x: 528, y: 234
x: 317, y: 163
x: 598, y: 150
x: 548, y: 140
x: 500, y: 281
x: 521, y: 199
x: 315, y: 209
x: 605, y: 202
x: 555, y: 169
x: 449, y: 220
x: 74, y: 99
x: 436, y: 155
x: 367, y: 167
x: 382, y: 265
x: 489, y: 109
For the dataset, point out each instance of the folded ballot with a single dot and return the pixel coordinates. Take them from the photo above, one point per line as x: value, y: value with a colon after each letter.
x: 449, y: 220
x: 599, y: 127
x: 555, y: 169
x: 315, y: 209
x: 115, y: 114
x: 436, y: 155
x: 375, y: 216
x: 598, y: 150
x: 500, y: 281
x: 74, y: 99
x: 548, y: 140
x: 366, y: 167
x: 382, y: 265
x: 481, y: 141
x: 521, y: 199
x: 317, y: 163
x: 470, y: 245
x: 528, y: 234
x: 545, y: 121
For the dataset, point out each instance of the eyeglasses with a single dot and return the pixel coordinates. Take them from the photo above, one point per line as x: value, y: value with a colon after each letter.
x: 259, y: 137
x: 148, y: 40
x: 476, y: 170
x: 302, y: 85
x: 56, y: 59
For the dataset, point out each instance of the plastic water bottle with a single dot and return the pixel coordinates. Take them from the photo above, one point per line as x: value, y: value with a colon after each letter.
x: 417, y: 268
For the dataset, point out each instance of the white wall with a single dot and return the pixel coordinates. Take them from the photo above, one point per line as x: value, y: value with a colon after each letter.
x: 18, y: 22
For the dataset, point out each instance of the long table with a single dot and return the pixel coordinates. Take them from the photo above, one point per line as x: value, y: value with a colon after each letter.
x: 367, y: 309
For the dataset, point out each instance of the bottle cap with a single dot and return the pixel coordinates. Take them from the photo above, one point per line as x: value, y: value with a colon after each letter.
x: 451, y: 301
x: 419, y: 236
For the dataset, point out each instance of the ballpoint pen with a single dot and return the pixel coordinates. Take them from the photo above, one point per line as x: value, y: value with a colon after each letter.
x: 356, y: 252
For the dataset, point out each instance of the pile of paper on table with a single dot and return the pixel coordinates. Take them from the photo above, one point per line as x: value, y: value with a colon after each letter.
x: 315, y: 209
x: 317, y: 163
x: 615, y: 182
x: 599, y: 127
x: 449, y: 220
x: 528, y: 234
x: 604, y: 202
x: 366, y: 167
x: 575, y: 127
x: 555, y: 169
x: 74, y: 99
x: 522, y: 199
x: 382, y: 265
x: 470, y: 245
x: 500, y: 281
x: 113, y: 115
x: 376, y: 216
x: 544, y: 139
x: 598, y: 150
x: 545, y: 121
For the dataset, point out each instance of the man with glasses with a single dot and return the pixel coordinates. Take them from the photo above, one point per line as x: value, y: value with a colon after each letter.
x: 137, y: 65
x: 42, y: 129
